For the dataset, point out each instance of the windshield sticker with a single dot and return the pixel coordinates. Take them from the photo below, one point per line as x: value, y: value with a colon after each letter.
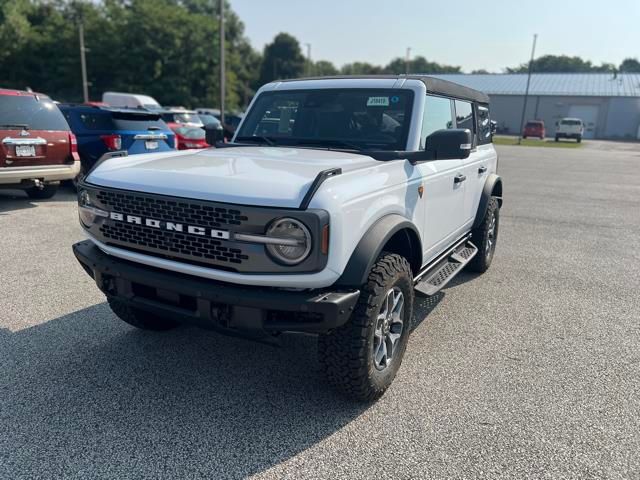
x: 378, y: 102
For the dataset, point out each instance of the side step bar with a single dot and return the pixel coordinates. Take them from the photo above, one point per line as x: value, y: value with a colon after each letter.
x: 435, y: 276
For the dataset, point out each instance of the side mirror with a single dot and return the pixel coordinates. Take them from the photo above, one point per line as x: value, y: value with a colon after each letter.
x: 213, y: 134
x: 449, y: 144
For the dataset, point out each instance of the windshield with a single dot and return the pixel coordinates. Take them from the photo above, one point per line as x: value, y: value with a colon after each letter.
x: 191, y: 133
x: 349, y: 118
x: 182, y: 117
x: 30, y: 111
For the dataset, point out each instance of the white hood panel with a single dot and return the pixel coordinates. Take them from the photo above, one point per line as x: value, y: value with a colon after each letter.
x: 271, y: 176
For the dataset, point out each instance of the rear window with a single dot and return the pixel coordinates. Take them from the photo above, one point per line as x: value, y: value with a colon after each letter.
x: 570, y: 122
x: 122, y: 121
x: 34, y: 112
x: 534, y: 124
x: 191, y: 133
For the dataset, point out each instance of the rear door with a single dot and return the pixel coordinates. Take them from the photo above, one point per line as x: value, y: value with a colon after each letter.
x: 33, y: 131
x: 443, y: 194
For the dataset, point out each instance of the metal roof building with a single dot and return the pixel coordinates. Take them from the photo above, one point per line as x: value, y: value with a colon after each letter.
x: 607, y: 103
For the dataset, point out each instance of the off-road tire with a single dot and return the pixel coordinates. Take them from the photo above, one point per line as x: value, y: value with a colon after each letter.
x: 139, y: 318
x: 481, y: 235
x: 346, y: 354
x: 48, y: 191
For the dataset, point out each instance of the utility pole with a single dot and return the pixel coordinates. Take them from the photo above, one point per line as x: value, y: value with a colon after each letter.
x: 308, y: 59
x: 526, y: 92
x: 83, y: 63
x: 406, y: 61
x: 222, y: 68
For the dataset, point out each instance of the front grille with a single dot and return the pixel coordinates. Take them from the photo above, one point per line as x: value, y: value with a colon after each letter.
x: 171, y: 210
x: 172, y: 242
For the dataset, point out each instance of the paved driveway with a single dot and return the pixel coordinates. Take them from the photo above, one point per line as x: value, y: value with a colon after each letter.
x: 529, y: 371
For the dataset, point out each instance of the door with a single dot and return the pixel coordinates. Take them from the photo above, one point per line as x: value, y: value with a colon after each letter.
x: 443, y: 191
x: 589, y: 116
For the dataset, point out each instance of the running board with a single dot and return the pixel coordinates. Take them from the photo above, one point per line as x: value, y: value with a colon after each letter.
x: 437, y: 275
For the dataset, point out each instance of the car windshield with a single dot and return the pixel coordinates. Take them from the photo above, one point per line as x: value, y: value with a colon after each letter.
x: 182, y: 117
x: 343, y: 118
x: 191, y: 133
x: 30, y: 111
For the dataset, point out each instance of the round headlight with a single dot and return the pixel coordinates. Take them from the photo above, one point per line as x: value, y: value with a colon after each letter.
x: 290, y: 241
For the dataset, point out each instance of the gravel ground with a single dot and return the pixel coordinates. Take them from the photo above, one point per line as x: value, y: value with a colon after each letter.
x: 529, y: 371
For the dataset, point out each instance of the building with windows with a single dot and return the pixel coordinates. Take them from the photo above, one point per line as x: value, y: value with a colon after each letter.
x: 607, y: 103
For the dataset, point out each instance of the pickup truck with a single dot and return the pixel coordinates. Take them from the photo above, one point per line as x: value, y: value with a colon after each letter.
x: 338, y: 200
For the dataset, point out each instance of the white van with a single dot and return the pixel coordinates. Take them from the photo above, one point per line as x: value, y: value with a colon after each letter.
x: 130, y: 100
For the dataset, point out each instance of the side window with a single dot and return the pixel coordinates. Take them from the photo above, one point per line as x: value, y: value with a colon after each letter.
x: 437, y: 116
x: 484, y: 125
x: 464, y: 116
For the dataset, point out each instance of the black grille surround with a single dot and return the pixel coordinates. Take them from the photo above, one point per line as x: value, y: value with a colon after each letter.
x: 215, y: 249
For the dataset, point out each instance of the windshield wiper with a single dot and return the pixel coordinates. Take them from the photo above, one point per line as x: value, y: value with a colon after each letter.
x: 268, y: 140
x: 328, y: 143
x: 18, y: 125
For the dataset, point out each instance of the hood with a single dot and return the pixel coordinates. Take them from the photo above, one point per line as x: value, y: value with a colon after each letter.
x: 273, y: 176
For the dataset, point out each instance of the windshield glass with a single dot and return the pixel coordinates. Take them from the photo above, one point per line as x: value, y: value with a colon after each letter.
x: 30, y: 111
x: 346, y: 118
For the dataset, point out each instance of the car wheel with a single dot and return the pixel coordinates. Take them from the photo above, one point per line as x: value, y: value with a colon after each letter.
x: 485, y: 237
x: 362, y: 357
x: 140, y: 318
x: 48, y: 191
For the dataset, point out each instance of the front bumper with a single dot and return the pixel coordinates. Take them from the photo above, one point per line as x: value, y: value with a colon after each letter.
x: 45, y: 173
x: 212, y: 304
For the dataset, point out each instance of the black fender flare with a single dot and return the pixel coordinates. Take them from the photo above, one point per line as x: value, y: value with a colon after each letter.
x: 492, y: 187
x: 370, y: 247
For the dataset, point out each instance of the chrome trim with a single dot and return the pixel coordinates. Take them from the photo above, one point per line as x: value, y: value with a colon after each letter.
x: 289, y: 242
x: 95, y: 211
x: 24, y: 141
x: 150, y: 136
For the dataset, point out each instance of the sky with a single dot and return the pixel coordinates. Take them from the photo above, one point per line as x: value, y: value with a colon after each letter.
x: 474, y: 34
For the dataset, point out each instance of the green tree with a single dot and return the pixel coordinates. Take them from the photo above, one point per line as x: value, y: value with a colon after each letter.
x: 323, y: 68
x: 282, y: 58
x: 418, y: 64
x: 561, y: 64
x: 630, y: 65
x: 361, y: 68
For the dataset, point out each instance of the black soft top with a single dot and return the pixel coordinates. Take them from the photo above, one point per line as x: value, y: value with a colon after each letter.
x: 433, y: 85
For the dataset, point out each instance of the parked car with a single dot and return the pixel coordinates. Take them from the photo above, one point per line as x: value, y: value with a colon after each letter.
x: 182, y: 116
x: 130, y: 100
x: 534, y: 128
x: 106, y: 129
x: 372, y: 190
x: 189, y: 136
x: 570, y: 128
x: 37, y: 148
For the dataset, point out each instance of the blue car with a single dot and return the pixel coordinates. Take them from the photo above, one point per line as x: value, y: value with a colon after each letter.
x: 104, y: 129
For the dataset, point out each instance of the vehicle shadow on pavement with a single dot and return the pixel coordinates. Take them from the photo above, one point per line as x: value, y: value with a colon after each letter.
x: 86, y: 395
x: 14, y: 200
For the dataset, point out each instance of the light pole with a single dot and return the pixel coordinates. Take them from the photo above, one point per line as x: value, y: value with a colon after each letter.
x: 406, y: 61
x: 222, y: 67
x: 308, y: 59
x: 83, y: 63
x: 526, y: 92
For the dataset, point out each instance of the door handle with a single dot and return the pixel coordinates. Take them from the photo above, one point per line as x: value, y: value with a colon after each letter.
x: 459, y: 178
x: 482, y: 169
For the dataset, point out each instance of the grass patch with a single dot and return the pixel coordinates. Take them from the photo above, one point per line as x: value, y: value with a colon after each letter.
x: 530, y: 142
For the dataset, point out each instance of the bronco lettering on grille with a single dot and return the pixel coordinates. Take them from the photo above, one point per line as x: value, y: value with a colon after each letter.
x: 169, y: 226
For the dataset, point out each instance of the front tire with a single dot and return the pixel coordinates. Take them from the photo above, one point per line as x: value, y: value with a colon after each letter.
x: 140, y: 318
x: 362, y: 357
x: 48, y: 191
x: 485, y: 237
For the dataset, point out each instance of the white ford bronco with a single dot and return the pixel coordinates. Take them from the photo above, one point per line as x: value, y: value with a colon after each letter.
x: 337, y: 201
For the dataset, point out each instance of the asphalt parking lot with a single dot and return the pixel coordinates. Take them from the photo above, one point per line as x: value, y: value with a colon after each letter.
x: 529, y: 371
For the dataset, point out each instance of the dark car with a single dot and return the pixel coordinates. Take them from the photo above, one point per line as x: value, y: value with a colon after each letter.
x: 534, y: 128
x: 103, y: 129
x: 37, y: 148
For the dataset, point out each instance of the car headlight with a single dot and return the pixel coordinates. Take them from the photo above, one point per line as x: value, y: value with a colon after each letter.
x: 290, y: 241
x: 88, y: 213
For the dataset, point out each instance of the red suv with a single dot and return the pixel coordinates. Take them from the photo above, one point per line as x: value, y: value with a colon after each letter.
x: 37, y: 149
x: 534, y: 128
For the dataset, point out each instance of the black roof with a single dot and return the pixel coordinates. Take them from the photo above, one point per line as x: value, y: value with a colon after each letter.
x: 433, y: 85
